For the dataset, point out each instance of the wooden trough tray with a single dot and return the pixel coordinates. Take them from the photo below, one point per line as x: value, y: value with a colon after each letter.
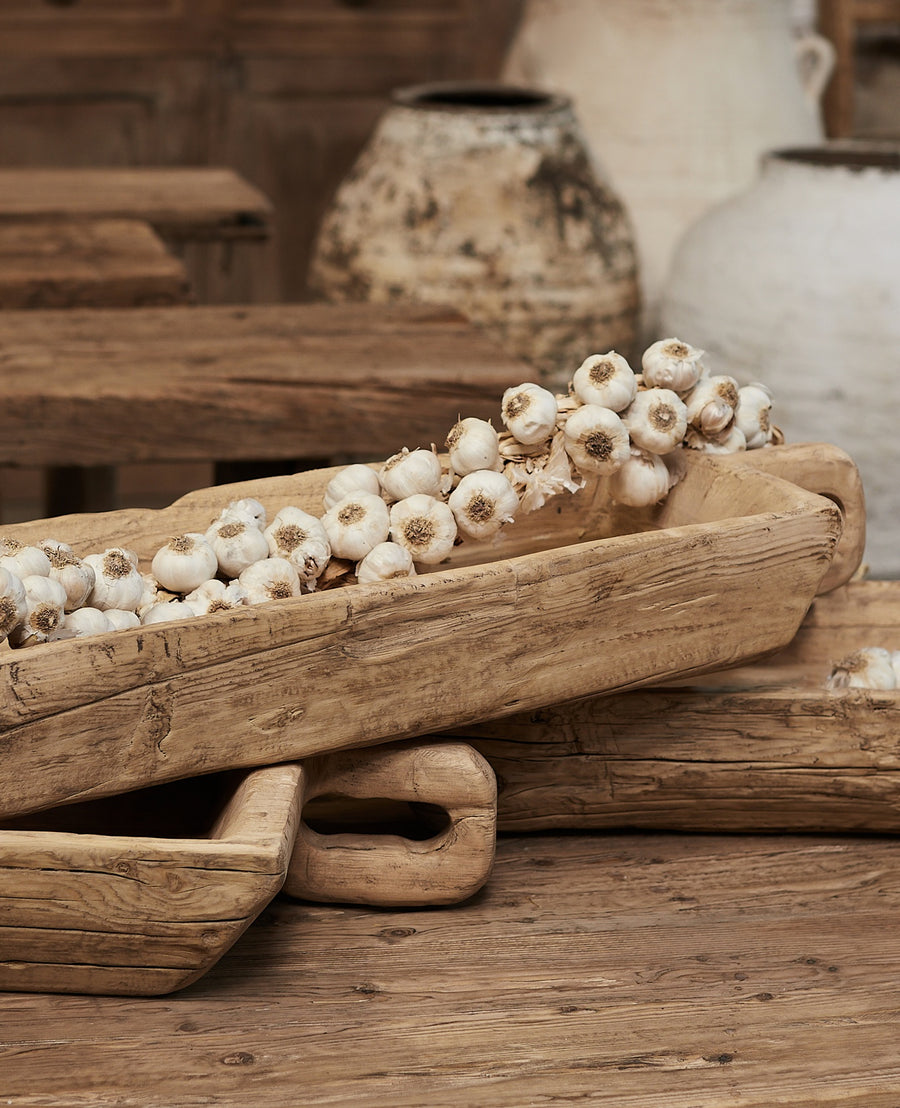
x: 760, y: 748
x: 580, y: 598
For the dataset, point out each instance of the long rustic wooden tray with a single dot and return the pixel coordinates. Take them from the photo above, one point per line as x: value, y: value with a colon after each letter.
x: 761, y: 748
x: 580, y: 598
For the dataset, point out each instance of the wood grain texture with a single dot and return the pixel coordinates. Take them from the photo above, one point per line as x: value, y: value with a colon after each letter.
x: 95, y: 912
x: 96, y: 264
x: 255, y: 382
x: 580, y: 598
x: 759, y: 748
x: 645, y: 971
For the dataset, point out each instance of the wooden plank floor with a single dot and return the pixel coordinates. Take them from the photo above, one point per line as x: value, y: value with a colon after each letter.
x: 658, y: 971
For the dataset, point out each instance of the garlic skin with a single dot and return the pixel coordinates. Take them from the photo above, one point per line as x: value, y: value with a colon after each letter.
x: 117, y: 582
x: 216, y: 596
x: 529, y: 412
x: 167, y: 610
x: 355, y: 524
x: 712, y: 403
x: 23, y: 561
x: 270, y: 579
x: 425, y: 526
x: 605, y: 379
x: 185, y: 562
x: 411, y: 472
x: 353, y: 478
x: 45, y: 601
x: 75, y: 576
x: 732, y: 442
x: 384, y: 562
x: 237, y: 542
x: 656, y: 420
x: 473, y: 444
x: 672, y: 364
x: 302, y: 539
x: 13, y: 605
x: 753, y: 415
x: 596, y: 440
x: 870, y: 667
x: 119, y: 619
x: 87, y: 621
x: 250, y: 510
x: 482, y: 502
x: 642, y: 481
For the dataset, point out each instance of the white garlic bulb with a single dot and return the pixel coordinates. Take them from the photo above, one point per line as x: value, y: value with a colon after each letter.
x: 149, y: 593
x: 237, y: 542
x: 731, y: 442
x: 712, y: 403
x: 22, y: 560
x: 167, y: 610
x: 870, y: 667
x: 424, y: 526
x: 753, y: 415
x: 529, y: 413
x: 75, y: 576
x: 473, y: 444
x: 117, y: 582
x: 247, y: 508
x: 356, y: 523
x: 411, y: 472
x: 596, y: 439
x: 352, y: 478
x: 120, y: 620
x: 605, y: 379
x: 13, y: 607
x: 482, y: 502
x: 895, y: 665
x: 656, y: 420
x: 641, y: 481
x: 88, y: 621
x: 302, y: 539
x: 185, y: 562
x: 672, y: 364
x: 216, y: 596
x: 270, y: 579
x: 45, y: 601
x: 384, y: 562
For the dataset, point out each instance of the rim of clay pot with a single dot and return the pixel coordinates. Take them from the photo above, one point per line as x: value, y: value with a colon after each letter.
x: 851, y: 154
x: 492, y: 97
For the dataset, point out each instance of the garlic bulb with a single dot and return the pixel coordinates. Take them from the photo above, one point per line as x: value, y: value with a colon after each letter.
x: 605, y: 379
x: 117, y: 582
x: 711, y: 404
x: 167, y: 610
x: 356, y: 523
x: 656, y: 420
x: 237, y: 542
x: 482, y: 502
x: 216, y: 596
x: 867, y: 668
x: 529, y: 412
x: 596, y: 439
x: 119, y: 619
x: 895, y: 665
x: 185, y: 562
x: 45, y: 601
x: 732, y: 442
x: 270, y: 579
x: 424, y: 526
x: 302, y: 539
x: 149, y: 593
x: 641, y: 481
x: 384, y: 562
x: 753, y: 415
x: 75, y: 576
x: 411, y: 472
x: 88, y: 621
x: 672, y: 364
x: 22, y: 560
x: 250, y: 510
x: 13, y: 606
x: 473, y: 444
x: 352, y: 478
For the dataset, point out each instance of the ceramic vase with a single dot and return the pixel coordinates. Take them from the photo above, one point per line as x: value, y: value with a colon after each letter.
x: 484, y: 197
x: 796, y: 283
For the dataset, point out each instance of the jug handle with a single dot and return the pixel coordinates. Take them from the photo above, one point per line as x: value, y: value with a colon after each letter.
x: 816, y: 57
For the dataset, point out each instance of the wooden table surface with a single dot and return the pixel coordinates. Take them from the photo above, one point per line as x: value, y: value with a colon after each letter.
x: 654, y: 971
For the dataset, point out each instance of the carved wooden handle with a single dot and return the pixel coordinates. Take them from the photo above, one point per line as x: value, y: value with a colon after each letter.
x: 389, y: 869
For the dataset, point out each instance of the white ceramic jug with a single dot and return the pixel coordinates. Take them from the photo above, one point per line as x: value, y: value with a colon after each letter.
x: 677, y: 100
